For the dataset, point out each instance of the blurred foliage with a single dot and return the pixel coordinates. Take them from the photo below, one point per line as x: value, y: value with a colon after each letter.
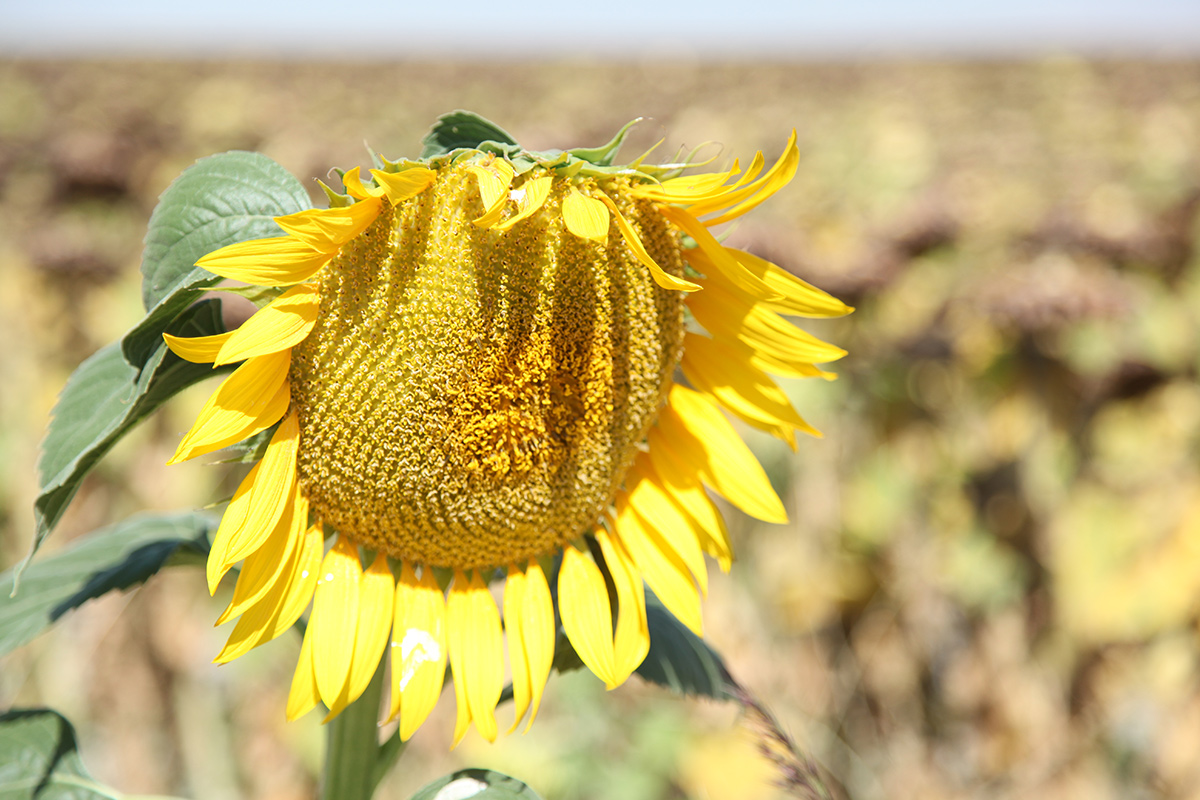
x: 990, y: 583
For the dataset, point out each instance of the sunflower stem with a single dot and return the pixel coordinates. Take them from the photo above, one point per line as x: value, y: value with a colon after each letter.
x: 352, y: 746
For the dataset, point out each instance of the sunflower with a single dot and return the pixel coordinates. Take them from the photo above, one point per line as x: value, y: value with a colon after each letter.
x: 494, y: 363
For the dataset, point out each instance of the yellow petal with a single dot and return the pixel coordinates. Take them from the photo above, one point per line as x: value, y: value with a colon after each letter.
x: 197, y: 349
x: 250, y: 400
x: 279, y: 261
x: 538, y: 633
x: 796, y: 297
x: 303, y: 696
x: 686, y: 188
x: 327, y: 229
x: 586, y: 613
x: 631, y: 642
x: 335, y: 618
x: 400, y: 186
x: 494, y: 180
x: 476, y: 648
x: 696, y: 430
x: 530, y: 197
x: 281, y: 325
x: 728, y: 316
x: 585, y: 216
x: 673, y: 526
x: 661, y: 277
x: 282, y: 605
x: 265, y: 567
x: 722, y: 372
x: 259, y: 502
x: 376, y: 591
x: 744, y: 196
x: 683, y: 484
x: 514, y: 607
x: 418, y: 648
x: 718, y: 255
x: 355, y: 187
x: 666, y: 574
x: 749, y: 198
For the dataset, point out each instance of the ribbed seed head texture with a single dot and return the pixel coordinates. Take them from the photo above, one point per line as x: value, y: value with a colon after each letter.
x: 471, y: 397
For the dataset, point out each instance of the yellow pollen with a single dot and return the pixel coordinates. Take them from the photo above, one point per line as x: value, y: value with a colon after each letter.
x: 470, y: 397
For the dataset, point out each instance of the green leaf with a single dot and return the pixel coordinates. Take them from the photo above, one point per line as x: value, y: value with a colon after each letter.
x: 461, y: 129
x: 678, y: 658
x: 218, y: 201
x: 116, y: 557
x: 102, y: 401
x: 39, y: 758
x: 479, y: 784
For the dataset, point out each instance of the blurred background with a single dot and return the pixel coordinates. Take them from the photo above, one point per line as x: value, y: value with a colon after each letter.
x: 991, y: 581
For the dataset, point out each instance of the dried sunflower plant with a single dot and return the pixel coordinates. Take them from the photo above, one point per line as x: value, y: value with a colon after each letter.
x: 486, y: 367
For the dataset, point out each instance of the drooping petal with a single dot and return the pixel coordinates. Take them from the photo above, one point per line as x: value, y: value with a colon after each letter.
x: 748, y: 198
x: 282, y: 605
x: 335, y: 618
x: 661, y: 277
x: 257, y: 505
x: 494, y: 181
x: 418, y: 648
x: 681, y: 481
x: 666, y: 574
x: 718, y: 255
x: 265, y: 567
x: 281, y: 325
x: 587, y: 613
x: 476, y: 648
x: 197, y: 349
x: 538, y: 633
x: 728, y: 316
x: 673, y: 526
x: 586, y: 217
x: 250, y: 400
x: 796, y: 297
x: 304, y: 695
x: 376, y: 591
x: 631, y: 642
x: 696, y: 430
x: 327, y: 229
x: 400, y: 186
x: 719, y: 370
x: 514, y: 607
x: 352, y: 180
x: 530, y: 197
x: 279, y: 261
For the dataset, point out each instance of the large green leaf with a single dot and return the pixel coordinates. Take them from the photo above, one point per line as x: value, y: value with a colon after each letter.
x: 220, y: 200
x: 102, y: 401
x: 116, y: 557
x: 462, y: 129
x: 678, y: 658
x: 479, y: 784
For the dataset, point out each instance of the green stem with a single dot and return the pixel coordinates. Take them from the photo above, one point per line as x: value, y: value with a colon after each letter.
x: 352, y: 746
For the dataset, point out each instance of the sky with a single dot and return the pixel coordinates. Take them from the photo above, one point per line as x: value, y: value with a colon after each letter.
x: 467, y: 29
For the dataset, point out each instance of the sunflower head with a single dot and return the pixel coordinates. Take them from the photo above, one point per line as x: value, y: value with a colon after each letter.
x: 496, y: 363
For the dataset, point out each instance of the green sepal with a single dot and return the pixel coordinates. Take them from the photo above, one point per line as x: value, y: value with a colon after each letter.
x: 259, y: 295
x: 462, y: 130
x: 478, y: 784
x: 604, y: 155
x: 115, y: 557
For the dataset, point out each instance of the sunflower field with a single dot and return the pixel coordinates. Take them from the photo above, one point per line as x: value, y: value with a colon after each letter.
x: 989, y: 583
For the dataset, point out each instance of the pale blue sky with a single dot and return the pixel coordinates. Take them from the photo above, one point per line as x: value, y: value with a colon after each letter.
x: 620, y: 28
